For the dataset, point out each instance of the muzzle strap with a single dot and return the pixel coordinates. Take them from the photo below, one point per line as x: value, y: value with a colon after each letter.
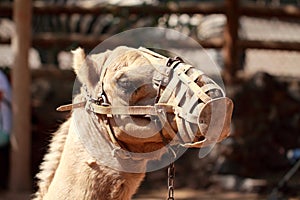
x: 191, y: 84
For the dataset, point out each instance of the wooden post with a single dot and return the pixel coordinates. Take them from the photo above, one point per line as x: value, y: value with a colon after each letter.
x: 20, y: 176
x: 231, y: 40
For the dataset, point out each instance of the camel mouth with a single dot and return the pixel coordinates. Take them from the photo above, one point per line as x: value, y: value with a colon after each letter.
x: 213, y: 123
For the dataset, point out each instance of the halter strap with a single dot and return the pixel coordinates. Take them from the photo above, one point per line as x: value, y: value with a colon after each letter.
x: 119, y: 110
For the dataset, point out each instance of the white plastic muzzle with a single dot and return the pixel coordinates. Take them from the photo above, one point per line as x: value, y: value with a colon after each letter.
x: 203, y: 113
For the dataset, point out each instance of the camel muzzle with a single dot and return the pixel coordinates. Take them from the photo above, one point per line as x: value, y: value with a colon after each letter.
x: 202, y: 111
x: 213, y: 123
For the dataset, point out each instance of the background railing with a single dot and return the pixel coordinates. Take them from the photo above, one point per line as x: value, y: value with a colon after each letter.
x: 231, y: 43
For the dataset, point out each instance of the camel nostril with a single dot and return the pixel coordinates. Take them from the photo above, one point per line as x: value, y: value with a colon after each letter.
x: 200, y: 138
x: 201, y: 121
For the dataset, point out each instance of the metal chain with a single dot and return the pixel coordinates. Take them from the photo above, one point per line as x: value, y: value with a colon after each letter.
x: 171, y: 178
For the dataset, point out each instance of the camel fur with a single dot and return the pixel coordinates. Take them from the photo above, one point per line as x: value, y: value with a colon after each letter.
x: 69, y: 170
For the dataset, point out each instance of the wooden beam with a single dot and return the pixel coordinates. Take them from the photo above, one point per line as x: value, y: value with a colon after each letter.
x: 64, y: 41
x: 42, y: 8
x: 271, y: 45
x: 253, y: 10
x: 288, y: 11
x: 230, y: 50
x: 49, y: 40
x: 183, y: 7
x: 20, y: 178
x: 89, y: 41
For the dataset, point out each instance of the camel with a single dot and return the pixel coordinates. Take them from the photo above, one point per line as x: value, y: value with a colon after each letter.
x: 124, y: 116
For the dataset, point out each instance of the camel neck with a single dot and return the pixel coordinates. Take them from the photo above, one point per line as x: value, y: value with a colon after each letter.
x: 80, y: 176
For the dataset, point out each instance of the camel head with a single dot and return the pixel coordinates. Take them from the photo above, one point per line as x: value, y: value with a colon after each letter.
x: 149, y: 101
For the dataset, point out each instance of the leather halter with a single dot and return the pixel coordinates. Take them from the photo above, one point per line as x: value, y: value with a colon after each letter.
x: 174, y: 68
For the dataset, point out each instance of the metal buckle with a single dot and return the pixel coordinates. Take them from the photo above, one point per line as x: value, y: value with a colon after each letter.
x: 170, y: 61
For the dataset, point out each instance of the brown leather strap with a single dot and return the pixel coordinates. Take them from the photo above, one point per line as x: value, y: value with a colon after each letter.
x: 69, y: 107
x: 130, y: 110
x: 119, y: 110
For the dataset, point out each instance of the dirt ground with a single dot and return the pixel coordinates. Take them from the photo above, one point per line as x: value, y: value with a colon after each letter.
x: 180, y: 194
x: 187, y: 194
x: 155, y: 195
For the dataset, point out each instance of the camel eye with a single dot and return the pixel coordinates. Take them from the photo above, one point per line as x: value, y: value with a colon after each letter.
x: 126, y: 84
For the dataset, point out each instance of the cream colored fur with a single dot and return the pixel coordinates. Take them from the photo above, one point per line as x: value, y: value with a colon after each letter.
x: 69, y: 172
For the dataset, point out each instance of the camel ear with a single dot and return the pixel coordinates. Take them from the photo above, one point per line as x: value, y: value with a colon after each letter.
x: 85, y: 68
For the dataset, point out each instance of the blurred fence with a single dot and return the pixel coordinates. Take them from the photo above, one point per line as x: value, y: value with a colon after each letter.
x: 231, y: 42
